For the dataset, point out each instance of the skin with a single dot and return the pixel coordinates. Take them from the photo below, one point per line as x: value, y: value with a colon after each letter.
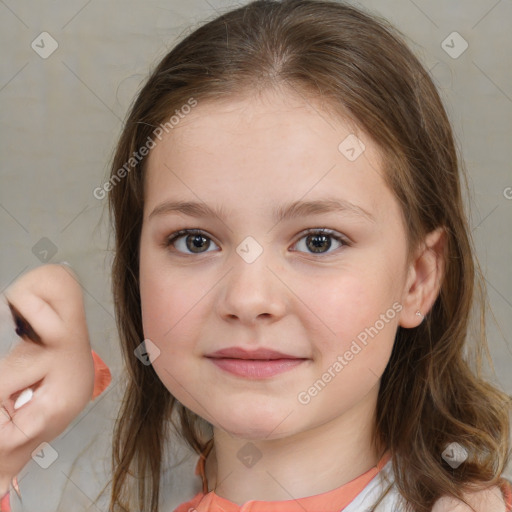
x: 247, y: 157
x: 59, y: 367
x: 488, y: 500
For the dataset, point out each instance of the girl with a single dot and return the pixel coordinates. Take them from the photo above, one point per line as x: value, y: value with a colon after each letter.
x: 293, y: 276
x: 295, y: 249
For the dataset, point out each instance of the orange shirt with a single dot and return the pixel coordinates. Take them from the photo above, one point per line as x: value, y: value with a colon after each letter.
x: 336, y: 499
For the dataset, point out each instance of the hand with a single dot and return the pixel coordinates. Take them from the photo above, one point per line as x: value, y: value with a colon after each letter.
x: 47, y: 375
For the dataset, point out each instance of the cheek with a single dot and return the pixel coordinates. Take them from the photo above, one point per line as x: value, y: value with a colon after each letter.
x: 347, y: 300
x: 171, y: 313
x: 173, y: 307
x: 354, y: 313
x: 167, y: 306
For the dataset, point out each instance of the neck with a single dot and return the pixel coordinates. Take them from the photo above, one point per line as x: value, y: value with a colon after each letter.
x: 306, y: 463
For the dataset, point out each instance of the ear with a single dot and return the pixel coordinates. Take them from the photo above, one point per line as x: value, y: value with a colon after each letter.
x: 424, y: 278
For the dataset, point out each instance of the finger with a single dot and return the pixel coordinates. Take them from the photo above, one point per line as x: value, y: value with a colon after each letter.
x: 23, y: 368
x: 48, y: 296
x: 40, y: 317
x: 53, y: 407
x: 13, y: 442
x: 16, y: 447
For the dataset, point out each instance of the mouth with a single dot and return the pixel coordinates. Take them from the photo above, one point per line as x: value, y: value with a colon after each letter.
x: 254, y: 364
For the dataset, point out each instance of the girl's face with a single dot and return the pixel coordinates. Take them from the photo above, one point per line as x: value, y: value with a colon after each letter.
x: 257, y: 180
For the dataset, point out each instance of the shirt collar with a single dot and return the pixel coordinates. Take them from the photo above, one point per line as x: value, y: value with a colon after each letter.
x: 336, y: 499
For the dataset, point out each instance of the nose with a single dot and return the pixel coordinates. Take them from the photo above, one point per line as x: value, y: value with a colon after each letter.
x: 251, y: 292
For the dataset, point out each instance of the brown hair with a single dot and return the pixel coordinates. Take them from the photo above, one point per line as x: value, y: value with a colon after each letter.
x: 362, y: 69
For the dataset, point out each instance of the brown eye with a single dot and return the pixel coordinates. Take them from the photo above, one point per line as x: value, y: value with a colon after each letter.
x: 197, y: 243
x: 320, y: 241
x: 22, y: 327
x: 190, y: 241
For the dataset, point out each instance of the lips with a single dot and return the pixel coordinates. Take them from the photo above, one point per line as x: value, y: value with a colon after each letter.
x: 260, y: 353
x: 255, y: 364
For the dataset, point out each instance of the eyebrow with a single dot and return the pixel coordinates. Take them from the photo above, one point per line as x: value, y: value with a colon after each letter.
x: 286, y: 212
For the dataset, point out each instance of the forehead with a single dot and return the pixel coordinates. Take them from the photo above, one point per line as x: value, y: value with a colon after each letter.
x: 264, y: 149
x: 299, y: 121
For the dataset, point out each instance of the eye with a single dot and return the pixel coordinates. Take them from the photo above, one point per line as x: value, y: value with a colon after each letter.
x: 319, y: 241
x: 190, y: 241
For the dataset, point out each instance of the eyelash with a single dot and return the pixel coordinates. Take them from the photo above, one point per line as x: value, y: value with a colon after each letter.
x: 312, y: 231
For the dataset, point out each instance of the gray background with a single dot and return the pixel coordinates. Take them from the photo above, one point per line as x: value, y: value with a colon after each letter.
x: 61, y: 117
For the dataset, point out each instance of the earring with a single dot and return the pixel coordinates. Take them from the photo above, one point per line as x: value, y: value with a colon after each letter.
x: 418, y: 313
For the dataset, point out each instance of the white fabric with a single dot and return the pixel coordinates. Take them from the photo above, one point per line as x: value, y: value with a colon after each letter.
x: 368, y: 497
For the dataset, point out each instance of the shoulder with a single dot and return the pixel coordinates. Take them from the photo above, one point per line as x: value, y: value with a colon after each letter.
x: 487, y: 500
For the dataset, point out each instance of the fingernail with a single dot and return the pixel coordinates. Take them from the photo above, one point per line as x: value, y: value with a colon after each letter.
x: 25, y: 397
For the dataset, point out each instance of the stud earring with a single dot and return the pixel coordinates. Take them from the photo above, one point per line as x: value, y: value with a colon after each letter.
x: 418, y: 313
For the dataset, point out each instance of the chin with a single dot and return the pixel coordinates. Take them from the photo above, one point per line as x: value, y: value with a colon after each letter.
x: 255, y: 424
x: 252, y: 433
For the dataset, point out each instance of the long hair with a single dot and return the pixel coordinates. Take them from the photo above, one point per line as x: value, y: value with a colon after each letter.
x: 430, y: 393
